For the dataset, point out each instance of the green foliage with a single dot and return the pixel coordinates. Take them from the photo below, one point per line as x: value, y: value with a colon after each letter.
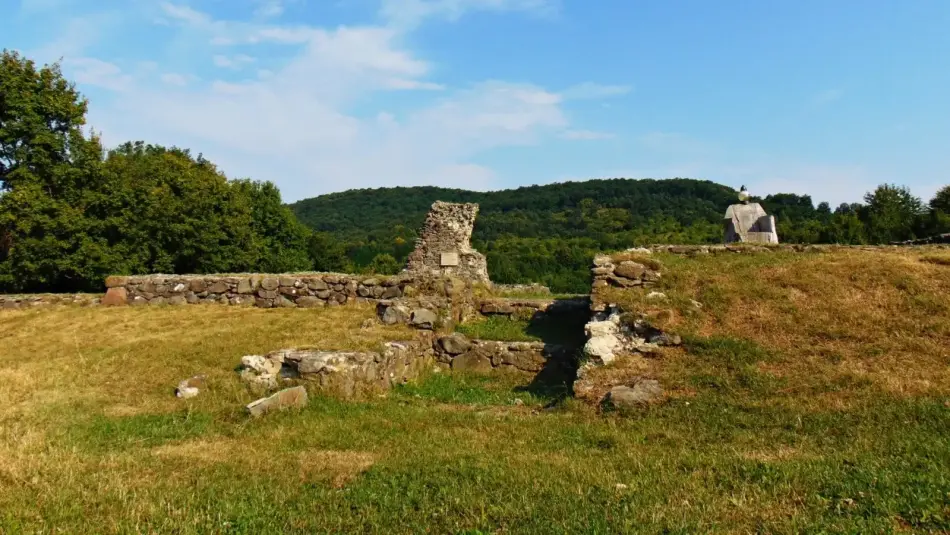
x: 892, y: 213
x: 384, y: 264
x: 941, y: 200
x: 69, y: 217
x: 327, y: 253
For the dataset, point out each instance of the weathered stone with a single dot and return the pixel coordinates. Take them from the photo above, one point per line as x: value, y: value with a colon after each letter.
x: 295, y: 397
x: 116, y: 296
x: 601, y: 349
x: 161, y: 289
x: 630, y: 270
x: 665, y: 339
x: 309, y: 302
x: 370, y: 282
x: 116, y: 281
x: 339, y: 287
x: 643, y: 393
x: 289, y: 290
x: 286, y: 281
x: 267, y: 294
x: 392, y: 314
x: 473, y: 361
x: 448, y: 229
x: 317, y: 284
x: 260, y: 364
x: 602, y: 260
x: 331, y: 279
x: 270, y: 283
x: 283, y: 302
x: 525, y: 360
x: 191, y: 298
x: 245, y: 287
x: 623, y: 282
x: 339, y: 298
x: 177, y: 300
x: 261, y: 302
x: 218, y: 287
x: 190, y: 388
x: 391, y: 292
x: 601, y: 328
x: 422, y: 318
x: 323, y: 294
x: 179, y: 287
x: 363, y: 291
x: 455, y: 344
x: 157, y: 301
x: 197, y: 285
x: 10, y: 305
x: 497, y: 308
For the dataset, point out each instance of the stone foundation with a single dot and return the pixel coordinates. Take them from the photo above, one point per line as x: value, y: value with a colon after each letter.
x: 342, y: 373
x: 9, y: 302
x: 457, y: 352
x: 266, y: 291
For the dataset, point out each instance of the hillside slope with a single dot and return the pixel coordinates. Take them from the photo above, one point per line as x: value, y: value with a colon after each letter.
x: 544, y: 234
x: 534, y: 211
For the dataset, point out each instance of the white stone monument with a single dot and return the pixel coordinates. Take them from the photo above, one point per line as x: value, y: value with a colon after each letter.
x: 748, y: 223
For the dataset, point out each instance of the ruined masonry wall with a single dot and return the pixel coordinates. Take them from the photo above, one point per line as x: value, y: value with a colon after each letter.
x: 265, y: 291
x: 444, y: 247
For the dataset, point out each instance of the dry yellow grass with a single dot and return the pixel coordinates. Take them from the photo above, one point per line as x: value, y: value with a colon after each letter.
x: 877, y: 315
x: 129, y: 360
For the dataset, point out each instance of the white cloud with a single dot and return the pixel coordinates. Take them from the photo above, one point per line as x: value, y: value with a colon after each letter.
x: 291, y: 123
x: 585, y: 135
x: 269, y: 8
x: 590, y: 90
x: 231, y: 62
x: 98, y: 73
x: 176, y: 79
x: 407, y: 14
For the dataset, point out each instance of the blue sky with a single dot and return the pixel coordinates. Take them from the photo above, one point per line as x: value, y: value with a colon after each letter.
x: 825, y: 97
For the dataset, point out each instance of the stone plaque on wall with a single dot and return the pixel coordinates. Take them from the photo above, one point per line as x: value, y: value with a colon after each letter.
x: 449, y: 259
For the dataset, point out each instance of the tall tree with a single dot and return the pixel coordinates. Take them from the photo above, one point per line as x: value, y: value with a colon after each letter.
x: 49, y: 178
x: 892, y: 213
x: 280, y: 240
x: 174, y: 213
x: 941, y: 200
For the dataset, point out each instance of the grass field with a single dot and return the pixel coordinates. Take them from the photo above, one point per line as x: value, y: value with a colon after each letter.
x: 813, y: 395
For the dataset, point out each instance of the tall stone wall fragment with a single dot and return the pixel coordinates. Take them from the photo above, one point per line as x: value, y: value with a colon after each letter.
x: 444, y: 245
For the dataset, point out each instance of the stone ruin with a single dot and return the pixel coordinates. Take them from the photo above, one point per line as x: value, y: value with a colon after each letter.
x: 748, y: 223
x: 444, y: 248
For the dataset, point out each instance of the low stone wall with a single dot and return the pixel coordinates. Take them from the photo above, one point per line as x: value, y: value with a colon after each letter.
x: 342, y: 373
x: 266, y: 291
x: 530, y: 307
x: 457, y: 352
x: 507, y: 289
x: 691, y: 250
x: 8, y: 302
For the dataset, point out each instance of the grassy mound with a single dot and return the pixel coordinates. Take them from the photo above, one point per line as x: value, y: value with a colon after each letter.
x: 812, y: 396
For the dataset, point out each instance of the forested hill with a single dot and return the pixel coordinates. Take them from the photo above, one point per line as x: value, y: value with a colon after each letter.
x: 533, y: 211
x: 545, y: 233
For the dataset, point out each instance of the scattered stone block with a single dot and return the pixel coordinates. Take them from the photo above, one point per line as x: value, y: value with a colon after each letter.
x: 473, y: 361
x: 190, y: 388
x: 643, y: 393
x: 116, y: 296
x: 455, y: 344
x: 422, y: 318
x: 295, y: 397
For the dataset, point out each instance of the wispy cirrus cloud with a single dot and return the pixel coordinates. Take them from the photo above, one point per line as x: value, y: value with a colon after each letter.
x: 292, y: 122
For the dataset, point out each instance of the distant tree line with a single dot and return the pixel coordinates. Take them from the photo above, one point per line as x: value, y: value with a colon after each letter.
x: 72, y: 214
